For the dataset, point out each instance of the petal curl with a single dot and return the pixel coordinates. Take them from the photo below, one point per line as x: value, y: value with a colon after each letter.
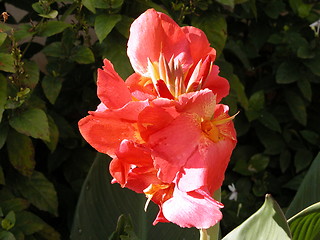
x: 112, y: 90
x: 192, y: 209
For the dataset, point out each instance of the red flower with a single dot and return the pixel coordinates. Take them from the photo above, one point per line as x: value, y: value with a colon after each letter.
x: 168, y: 137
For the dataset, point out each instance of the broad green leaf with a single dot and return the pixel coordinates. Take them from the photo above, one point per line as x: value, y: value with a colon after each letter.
x: 7, y: 62
x: 48, y: 232
x: 54, y: 135
x: 268, y: 120
x: 297, y: 107
x: 311, y: 137
x: 313, y: 64
x: 21, y: 152
x: 37, y: 7
x: 28, y: 223
x: 124, y: 25
x: 305, y: 52
x: 229, y: 3
x: 90, y: 5
x: 54, y: 49
x: 306, y: 224
x: 3, y: 95
x: 14, y: 204
x: 23, y: 32
x: 285, y: 160
x: 258, y: 163
x: 302, y: 159
x: 82, y: 55
x: 288, y: 72
x: 268, y: 223
x: 272, y: 141
x: 3, y: 37
x: 39, y: 191
x: 274, y: 8
x: 308, y: 192
x: 305, y: 88
x: 256, y: 105
x: 238, y: 87
x: 104, y: 24
x: 101, y: 203
x: 9, y: 221
x: 31, y: 76
x: 104, y: 4
x: 5, y: 235
x: 32, y: 122
x: 51, y: 87
x: 217, y: 35
x: 300, y: 8
x: 51, y: 28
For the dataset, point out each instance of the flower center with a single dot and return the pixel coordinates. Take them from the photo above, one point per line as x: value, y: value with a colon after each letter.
x: 170, y: 80
x: 160, y: 193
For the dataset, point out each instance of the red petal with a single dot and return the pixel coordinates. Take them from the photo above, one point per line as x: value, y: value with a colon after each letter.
x: 192, y: 209
x: 112, y: 90
x: 140, y: 88
x: 217, y: 84
x: 152, y: 33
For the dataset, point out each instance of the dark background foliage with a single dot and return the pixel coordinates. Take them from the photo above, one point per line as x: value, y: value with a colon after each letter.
x: 49, y: 53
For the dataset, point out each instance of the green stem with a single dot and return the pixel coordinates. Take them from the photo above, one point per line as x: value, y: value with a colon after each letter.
x: 213, y: 232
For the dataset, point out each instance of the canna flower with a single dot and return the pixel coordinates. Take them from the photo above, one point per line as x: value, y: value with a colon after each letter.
x: 169, y: 137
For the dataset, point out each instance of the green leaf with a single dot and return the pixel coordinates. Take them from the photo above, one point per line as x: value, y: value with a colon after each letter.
x: 4, y: 128
x: 2, y: 178
x: 104, y: 4
x: 104, y: 24
x: 9, y: 221
x: 308, y: 192
x: 23, y: 32
x: 310, y: 136
x: 31, y: 77
x: 217, y: 35
x: 33, y: 122
x: 302, y: 159
x: 305, y: 88
x: 3, y: 95
x: 258, y: 163
x: 268, y: 120
x: 256, y: 105
x: 124, y: 25
x: 306, y: 224
x: 229, y: 3
x: 268, y: 223
x: 124, y: 229
x: 28, y: 223
x: 7, y: 62
x: 297, y: 107
x: 39, y: 191
x: 48, y: 232
x: 5, y: 235
x: 288, y: 72
x: 51, y: 87
x: 54, y: 135
x: 14, y: 204
x: 101, y: 203
x: 82, y: 55
x: 21, y: 152
x: 51, y: 14
x: 54, y: 49
x: 313, y: 64
x: 272, y: 141
x: 51, y: 28
x: 285, y: 160
x: 90, y: 5
x: 3, y: 37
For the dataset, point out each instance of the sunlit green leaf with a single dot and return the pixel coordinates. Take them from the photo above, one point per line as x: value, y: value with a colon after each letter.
x: 21, y: 152
x: 3, y: 37
x: 308, y: 192
x: 104, y: 24
x: 51, y: 14
x: 33, y: 122
x: 268, y: 223
x: 306, y: 224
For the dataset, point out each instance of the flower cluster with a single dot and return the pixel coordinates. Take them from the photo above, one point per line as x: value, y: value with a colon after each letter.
x: 164, y: 127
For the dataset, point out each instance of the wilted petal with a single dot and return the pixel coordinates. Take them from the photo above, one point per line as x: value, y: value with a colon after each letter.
x: 192, y: 209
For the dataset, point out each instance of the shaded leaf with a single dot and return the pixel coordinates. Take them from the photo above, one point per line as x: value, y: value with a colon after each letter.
x: 302, y: 159
x: 258, y: 163
x: 3, y: 37
x: 4, y: 128
x: 54, y: 135
x: 268, y: 223
x: 217, y: 35
x: 33, y: 122
x: 39, y: 191
x: 285, y: 160
x: 50, y: 28
x: 308, y: 192
x: 268, y: 120
x: 82, y: 55
x: 31, y: 77
x: 7, y: 62
x: 104, y: 24
x: 90, y: 5
x: 5, y: 235
x: 305, y: 88
x: 9, y: 221
x: 3, y: 96
x: 101, y: 203
x: 54, y: 49
x: 21, y: 152
x: 14, y: 204
x: 2, y: 179
x: 288, y: 72
x: 23, y: 32
x: 51, y: 87
x: 297, y: 107
x: 306, y: 224
x: 28, y: 223
x: 124, y: 229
